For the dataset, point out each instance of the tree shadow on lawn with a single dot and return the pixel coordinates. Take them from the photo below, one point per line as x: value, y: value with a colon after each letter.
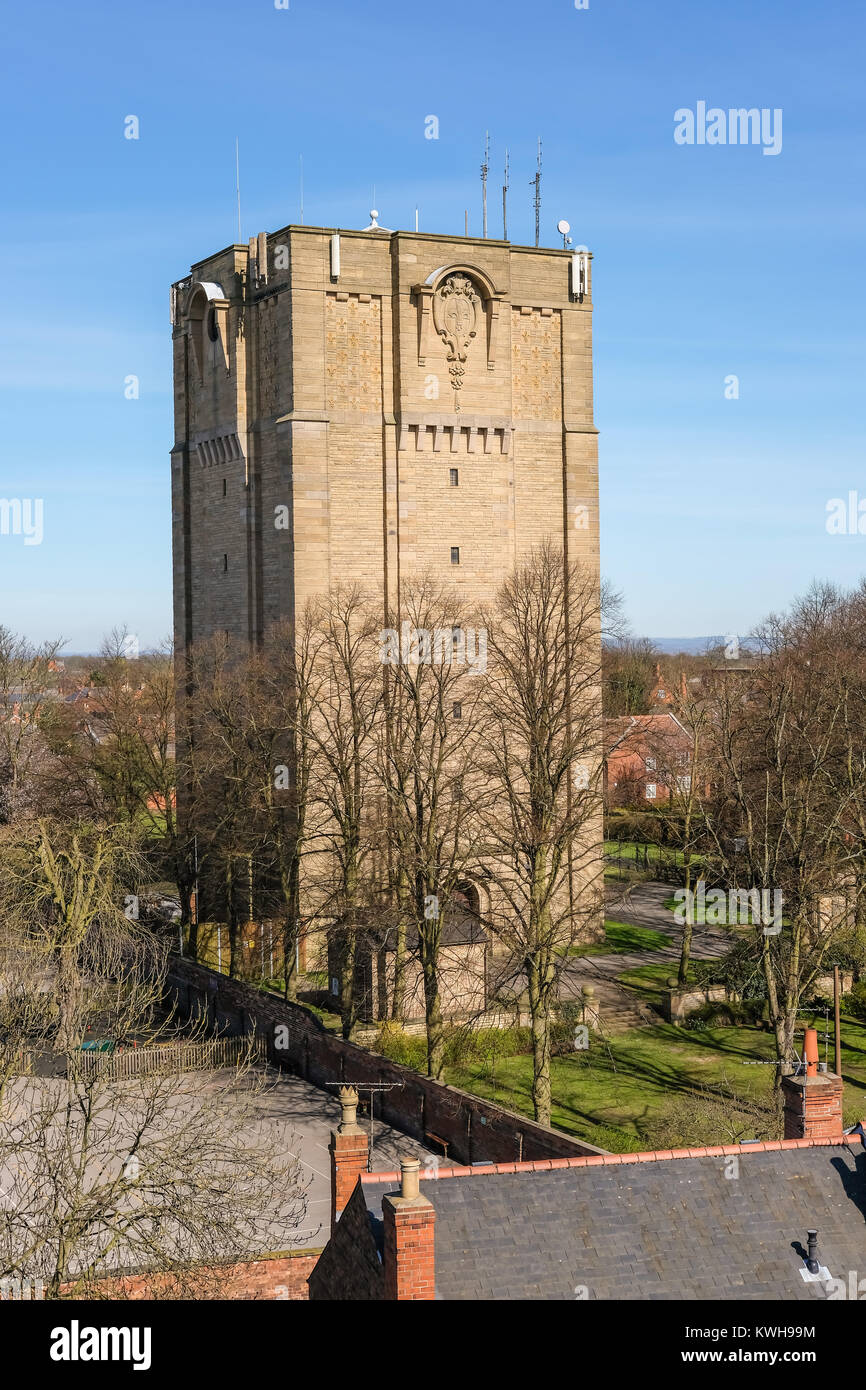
x: 634, y: 1068
x: 714, y: 1040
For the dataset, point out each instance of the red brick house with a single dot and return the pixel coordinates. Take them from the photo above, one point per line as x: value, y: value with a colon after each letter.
x: 647, y: 759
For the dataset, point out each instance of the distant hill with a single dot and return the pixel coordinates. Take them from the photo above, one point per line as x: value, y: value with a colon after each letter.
x: 696, y: 646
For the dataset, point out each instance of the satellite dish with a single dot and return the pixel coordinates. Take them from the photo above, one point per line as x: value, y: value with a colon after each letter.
x: 563, y: 227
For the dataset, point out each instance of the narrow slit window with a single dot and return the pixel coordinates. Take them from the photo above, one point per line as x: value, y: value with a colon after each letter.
x: 225, y: 564
x: 455, y: 477
x: 224, y: 487
x: 455, y: 554
x: 457, y: 710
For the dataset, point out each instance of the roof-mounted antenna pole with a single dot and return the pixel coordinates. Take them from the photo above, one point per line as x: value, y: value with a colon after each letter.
x: 537, y: 182
x: 484, y: 171
x: 505, y: 201
x: 416, y: 220
x: 238, y: 183
x: 301, y: 157
x: 466, y: 222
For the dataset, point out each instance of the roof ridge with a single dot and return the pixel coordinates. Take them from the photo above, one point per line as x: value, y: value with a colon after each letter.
x: 546, y: 1165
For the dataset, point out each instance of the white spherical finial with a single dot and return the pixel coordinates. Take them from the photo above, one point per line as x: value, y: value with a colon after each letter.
x: 374, y: 213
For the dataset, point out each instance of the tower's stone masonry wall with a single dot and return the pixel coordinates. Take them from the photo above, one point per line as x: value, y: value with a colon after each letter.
x: 319, y: 417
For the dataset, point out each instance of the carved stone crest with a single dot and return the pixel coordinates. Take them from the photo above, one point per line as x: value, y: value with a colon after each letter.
x: 455, y: 315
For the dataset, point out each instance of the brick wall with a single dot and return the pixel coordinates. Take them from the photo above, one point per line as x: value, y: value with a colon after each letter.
x: 408, y: 1256
x: 284, y: 1277
x: 473, y: 1129
x: 813, y: 1106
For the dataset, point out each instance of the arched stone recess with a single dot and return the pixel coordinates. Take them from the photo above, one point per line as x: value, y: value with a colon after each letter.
x: 206, y: 315
x: 474, y: 304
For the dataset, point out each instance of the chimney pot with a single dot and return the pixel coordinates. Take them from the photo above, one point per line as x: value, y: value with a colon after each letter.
x: 813, y: 1097
x: 410, y: 1169
x: 349, y: 1110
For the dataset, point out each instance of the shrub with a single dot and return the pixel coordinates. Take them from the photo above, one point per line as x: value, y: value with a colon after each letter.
x: 407, y: 1051
x: 466, y: 1045
x: 855, y: 1000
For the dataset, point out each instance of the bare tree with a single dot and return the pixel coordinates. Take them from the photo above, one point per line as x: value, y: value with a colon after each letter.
x: 344, y: 731
x: 285, y: 684
x: 543, y: 829
x: 100, y: 1173
x: 782, y: 814
x: 430, y: 765
x: 26, y: 700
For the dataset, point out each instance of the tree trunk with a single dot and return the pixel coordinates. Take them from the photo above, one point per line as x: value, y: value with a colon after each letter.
x: 539, y: 1017
x: 349, y: 956
x: 290, y: 883
x: 433, y: 1014
x: 231, y: 912
x: 688, y: 928
x: 399, y: 993
x: 69, y: 988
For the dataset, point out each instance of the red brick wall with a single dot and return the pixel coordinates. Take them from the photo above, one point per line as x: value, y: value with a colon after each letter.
x: 349, y: 1155
x: 284, y: 1277
x: 474, y: 1129
x: 813, y: 1106
x: 409, y: 1258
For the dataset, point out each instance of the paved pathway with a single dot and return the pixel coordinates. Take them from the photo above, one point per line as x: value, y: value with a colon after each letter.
x: 639, y: 905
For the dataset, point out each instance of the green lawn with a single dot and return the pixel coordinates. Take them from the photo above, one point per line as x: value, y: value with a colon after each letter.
x: 627, y: 849
x: 611, y: 1094
x: 622, y: 937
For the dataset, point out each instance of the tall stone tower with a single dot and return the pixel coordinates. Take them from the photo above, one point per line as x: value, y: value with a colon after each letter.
x: 359, y: 405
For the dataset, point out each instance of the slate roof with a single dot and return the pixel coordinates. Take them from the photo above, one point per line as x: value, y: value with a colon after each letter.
x: 647, y: 1226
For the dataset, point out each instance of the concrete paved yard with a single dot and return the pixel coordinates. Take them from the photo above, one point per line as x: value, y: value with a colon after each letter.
x: 311, y: 1114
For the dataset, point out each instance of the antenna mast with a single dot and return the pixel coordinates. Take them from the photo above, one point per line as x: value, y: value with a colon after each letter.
x: 537, y: 182
x: 484, y: 170
x: 301, y: 157
x: 238, y: 183
x: 505, y: 201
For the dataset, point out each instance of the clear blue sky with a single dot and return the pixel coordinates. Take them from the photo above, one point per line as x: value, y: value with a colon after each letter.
x: 709, y: 261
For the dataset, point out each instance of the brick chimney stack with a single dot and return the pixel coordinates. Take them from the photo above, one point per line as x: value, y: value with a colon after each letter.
x: 350, y: 1153
x: 409, y: 1220
x: 813, y: 1099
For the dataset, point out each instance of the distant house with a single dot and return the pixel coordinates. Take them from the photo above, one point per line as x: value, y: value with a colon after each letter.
x: 463, y: 966
x: 661, y: 692
x: 647, y: 759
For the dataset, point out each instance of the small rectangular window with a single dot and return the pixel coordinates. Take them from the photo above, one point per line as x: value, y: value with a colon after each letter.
x: 225, y: 564
x: 455, y: 478
x: 650, y: 764
x: 457, y: 710
x: 224, y: 487
x: 455, y: 554
x: 650, y: 791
